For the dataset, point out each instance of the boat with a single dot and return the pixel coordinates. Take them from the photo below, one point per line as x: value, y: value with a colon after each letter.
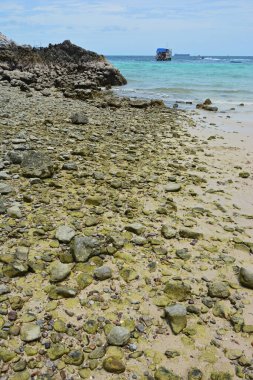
x: 179, y: 55
x: 163, y: 54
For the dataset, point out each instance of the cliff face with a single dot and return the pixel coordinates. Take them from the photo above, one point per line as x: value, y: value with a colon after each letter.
x: 75, y: 71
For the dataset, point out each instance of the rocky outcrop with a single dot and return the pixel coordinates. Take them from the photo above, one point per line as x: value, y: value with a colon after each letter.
x: 77, y: 72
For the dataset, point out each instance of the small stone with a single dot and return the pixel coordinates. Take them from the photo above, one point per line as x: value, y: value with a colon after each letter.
x: 60, y: 326
x: 19, y: 366
x: 4, y: 289
x: 75, y: 357
x: 136, y: 228
x: 244, y: 174
x: 195, y: 374
x: 168, y: 232
x: 79, y: 118
x: 221, y: 376
x: 103, y: 273
x: 60, y: 271
x: 128, y: 274
x: 177, y: 291
x: 113, y: 364
x: 14, y: 212
x: 84, y: 280
x: 98, y: 353
x: 65, y: 234
x: 71, y: 166
x: 56, y: 351
x: 118, y: 336
x: 183, y: 254
x: 219, y: 290
x: 165, y: 374
x: 30, y: 332
x: 176, y: 315
x: 91, y: 326
x: 233, y: 354
x: 189, y: 234
x: 5, y: 189
x: 6, y: 355
x: 61, y: 292
x: 84, y: 247
x: 172, y: 188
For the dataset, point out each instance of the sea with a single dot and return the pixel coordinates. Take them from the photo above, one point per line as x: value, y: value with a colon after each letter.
x: 227, y: 81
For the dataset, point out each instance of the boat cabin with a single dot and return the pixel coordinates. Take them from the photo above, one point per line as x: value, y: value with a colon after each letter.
x: 163, y: 54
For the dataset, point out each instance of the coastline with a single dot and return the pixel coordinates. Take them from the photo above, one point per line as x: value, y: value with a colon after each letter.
x: 117, y: 180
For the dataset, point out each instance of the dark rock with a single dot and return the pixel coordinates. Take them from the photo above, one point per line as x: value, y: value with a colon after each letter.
x: 37, y: 164
x: 79, y: 118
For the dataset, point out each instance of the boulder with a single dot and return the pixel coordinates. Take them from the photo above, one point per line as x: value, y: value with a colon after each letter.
x: 246, y: 277
x: 37, y: 164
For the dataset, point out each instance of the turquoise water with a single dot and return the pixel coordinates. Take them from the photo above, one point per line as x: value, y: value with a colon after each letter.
x: 226, y: 80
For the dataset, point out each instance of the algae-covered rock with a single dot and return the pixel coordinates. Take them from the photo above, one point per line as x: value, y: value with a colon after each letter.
x: 118, y: 336
x: 113, y: 364
x: 233, y: 353
x: 84, y: 247
x: 177, y: 291
x: 219, y: 289
x: 98, y: 353
x: 183, y: 254
x: 246, y: 277
x: 16, y: 269
x: 83, y: 280
x: 221, y: 376
x: 195, y: 374
x: 103, y: 273
x: 91, y: 326
x: 176, y: 315
x: 6, y: 355
x: 23, y: 375
x: 65, y: 234
x: 30, y: 332
x: 60, y: 326
x: 190, y: 234
x: 75, y: 357
x: 58, y: 292
x: 60, y: 271
x: 56, y: 351
x: 221, y: 310
x: 19, y: 366
x: 136, y: 228
x: 165, y: 374
x: 128, y: 274
x: 168, y: 232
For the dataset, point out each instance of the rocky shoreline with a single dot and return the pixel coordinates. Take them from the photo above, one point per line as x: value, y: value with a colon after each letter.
x: 123, y: 255
x: 77, y: 72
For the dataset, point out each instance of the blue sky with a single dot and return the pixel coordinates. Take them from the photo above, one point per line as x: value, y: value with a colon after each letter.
x: 206, y: 27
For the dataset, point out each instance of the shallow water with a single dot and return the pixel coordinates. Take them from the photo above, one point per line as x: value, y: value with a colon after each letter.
x: 226, y: 80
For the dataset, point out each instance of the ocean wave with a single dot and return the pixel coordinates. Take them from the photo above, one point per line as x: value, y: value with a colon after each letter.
x: 212, y: 59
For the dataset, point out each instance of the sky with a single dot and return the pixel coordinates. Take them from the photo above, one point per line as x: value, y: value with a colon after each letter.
x: 133, y: 27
